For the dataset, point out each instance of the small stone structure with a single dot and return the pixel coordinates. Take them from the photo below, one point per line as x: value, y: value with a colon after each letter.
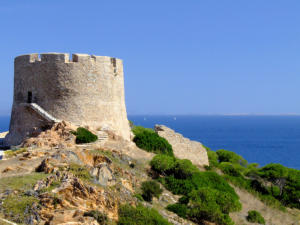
x: 87, y: 90
x: 184, y: 148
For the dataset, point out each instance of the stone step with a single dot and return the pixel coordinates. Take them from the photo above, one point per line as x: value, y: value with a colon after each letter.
x: 43, y: 113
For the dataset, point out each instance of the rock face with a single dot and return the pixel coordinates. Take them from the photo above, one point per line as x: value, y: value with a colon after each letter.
x: 86, y: 90
x: 59, y: 135
x: 183, y: 147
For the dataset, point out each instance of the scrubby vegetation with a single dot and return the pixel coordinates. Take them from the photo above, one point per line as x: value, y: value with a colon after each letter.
x: 206, y: 195
x: 150, y: 189
x: 274, y: 184
x: 18, y: 206
x: 13, y: 153
x: 20, y: 183
x: 84, y: 136
x: 80, y: 171
x: 150, y: 141
x: 100, y: 217
x: 255, y: 217
x: 52, y: 186
x: 140, y: 215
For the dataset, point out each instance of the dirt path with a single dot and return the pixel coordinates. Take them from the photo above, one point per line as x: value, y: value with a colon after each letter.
x: 272, y: 216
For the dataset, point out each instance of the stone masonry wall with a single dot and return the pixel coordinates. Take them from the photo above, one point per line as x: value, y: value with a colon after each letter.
x: 184, y: 148
x: 86, y: 91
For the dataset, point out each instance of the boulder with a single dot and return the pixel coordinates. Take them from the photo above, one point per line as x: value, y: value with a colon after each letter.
x: 103, y: 174
x: 184, y: 148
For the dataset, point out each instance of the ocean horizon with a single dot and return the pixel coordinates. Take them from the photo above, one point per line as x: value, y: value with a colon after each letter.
x: 261, y: 139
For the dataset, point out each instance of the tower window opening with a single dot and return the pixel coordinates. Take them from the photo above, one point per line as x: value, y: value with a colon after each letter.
x: 29, y: 97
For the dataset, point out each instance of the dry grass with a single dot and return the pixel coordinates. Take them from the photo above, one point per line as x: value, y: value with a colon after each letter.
x: 12, y: 153
x: 272, y: 216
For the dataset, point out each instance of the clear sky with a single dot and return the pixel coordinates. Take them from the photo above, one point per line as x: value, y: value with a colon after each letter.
x: 180, y: 57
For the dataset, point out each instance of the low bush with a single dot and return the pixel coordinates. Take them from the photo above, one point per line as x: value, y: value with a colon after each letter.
x: 206, y: 204
x: 139, y: 129
x: 212, y: 158
x: 184, y: 169
x: 255, y: 217
x: 229, y: 156
x: 152, y: 142
x: 224, y: 201
x: 163, y: 164
x: 179, y: 209
x: 100, y: 217
x: 150, y: 189
x: 84, y: 136
x: 140, y: 215
x: 208, y: 213
x: 206, y: 195
x: 139, y: 197
x: 230, y: 169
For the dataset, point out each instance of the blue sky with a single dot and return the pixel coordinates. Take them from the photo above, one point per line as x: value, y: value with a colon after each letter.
x: 180, y: 57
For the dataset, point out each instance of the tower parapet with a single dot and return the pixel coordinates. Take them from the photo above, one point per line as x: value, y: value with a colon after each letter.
x: 86, y: 90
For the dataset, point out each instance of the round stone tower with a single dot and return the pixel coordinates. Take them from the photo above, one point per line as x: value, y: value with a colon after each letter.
x: 87, y: 91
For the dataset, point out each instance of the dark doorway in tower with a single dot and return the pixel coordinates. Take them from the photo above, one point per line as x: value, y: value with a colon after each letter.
x: 29, y: 97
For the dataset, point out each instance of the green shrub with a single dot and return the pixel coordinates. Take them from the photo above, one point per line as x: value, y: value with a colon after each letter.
x: 230, y: 169
x: 178, y: 186
x: 139, y: 197
x: 255, y: 217
x: 184, y: 169
x: 252, y: 170
x: 129, y: 215
x: 150, y: 189
x: 212, y: 158
x: 209, y: 213
x: 163, y: 164
x: 84, y: 136
x: 286, y: 180
x: 139, y: 129
x: 229, y: 156
x: 152, y: 142
x: 100, y: 217
x: 179, y: 209
x: 225, y: 201
x: 212, y: 205
x: 206, y: 195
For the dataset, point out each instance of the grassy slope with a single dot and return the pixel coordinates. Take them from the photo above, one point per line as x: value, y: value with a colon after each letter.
x: 272, y: 216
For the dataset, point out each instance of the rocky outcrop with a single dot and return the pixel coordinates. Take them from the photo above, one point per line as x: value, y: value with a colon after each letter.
x: 59, y: 135
x: 184, y: 148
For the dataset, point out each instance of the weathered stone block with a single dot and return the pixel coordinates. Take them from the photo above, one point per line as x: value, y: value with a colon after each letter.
x: 184, y: 148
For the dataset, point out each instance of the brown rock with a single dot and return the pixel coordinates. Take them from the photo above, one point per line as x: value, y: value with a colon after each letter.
x: 7, y: 169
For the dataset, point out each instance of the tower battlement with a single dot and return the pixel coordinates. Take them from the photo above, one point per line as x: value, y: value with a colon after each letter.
x: 54, y: 57
x: 86, y: 90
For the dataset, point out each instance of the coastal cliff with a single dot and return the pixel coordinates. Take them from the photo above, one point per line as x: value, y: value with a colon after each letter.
x: 50, y: 179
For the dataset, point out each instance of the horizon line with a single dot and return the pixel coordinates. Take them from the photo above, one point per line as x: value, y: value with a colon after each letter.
x: 218, y: 114
x: 203, y: 114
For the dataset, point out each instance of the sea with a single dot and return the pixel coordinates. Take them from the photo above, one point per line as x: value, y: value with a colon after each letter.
x: 259, y: 139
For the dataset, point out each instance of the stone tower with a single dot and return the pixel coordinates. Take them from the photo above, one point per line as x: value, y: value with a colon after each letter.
x: 87, y: 91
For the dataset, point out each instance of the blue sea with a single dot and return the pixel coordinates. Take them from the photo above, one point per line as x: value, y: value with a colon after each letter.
x: 261, y: 139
